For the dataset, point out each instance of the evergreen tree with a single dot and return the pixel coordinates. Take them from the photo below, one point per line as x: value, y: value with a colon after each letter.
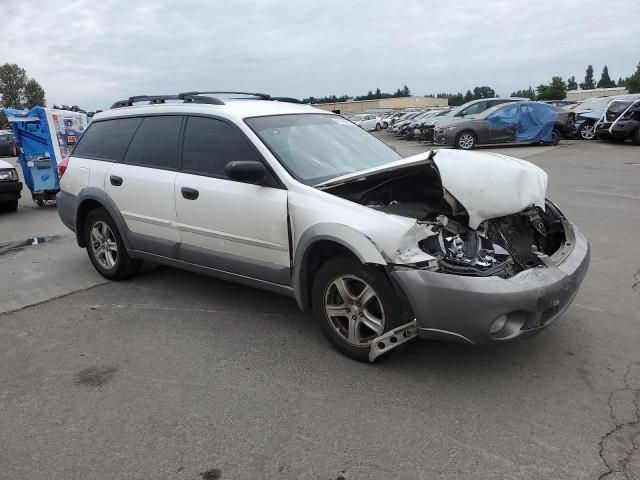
x: 632, y: 83
x: 571, y: 83
x: 605, y: 81
x: 588, y: 83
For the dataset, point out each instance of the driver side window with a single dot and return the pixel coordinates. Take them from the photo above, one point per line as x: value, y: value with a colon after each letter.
x: 475, y: 108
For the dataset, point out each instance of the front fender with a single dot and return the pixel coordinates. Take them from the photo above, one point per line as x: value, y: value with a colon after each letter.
x: 358, y: 243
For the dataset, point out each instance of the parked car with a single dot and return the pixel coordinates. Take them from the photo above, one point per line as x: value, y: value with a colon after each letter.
x: 591, y: 110
x: 621, y: 121
x: 367, y: 121
x: 447, y: 245
x: 7, y: 144
x: 519, y: 122
x: 473, y: 107
x: 10, y: 187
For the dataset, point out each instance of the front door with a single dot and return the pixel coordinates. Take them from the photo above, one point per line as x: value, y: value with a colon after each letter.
x: 235, y: 227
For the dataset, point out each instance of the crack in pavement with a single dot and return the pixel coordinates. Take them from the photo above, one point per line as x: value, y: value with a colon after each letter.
x: 620, y: 447
x: 57, y: 297
x: 636, y: 285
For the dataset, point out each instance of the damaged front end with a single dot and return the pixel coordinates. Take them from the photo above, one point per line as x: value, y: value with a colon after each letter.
x: 501, y: 246
x: 488, y: 258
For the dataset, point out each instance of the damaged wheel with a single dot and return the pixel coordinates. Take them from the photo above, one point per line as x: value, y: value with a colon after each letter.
x: 105, y: 248
x: 354, y: 304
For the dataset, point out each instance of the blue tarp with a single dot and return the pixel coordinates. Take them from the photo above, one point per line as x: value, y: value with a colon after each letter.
x: 37, y: 150
x: 532, y: 122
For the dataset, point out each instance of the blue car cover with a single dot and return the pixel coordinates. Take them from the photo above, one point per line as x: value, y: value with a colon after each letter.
x: 533, y: 122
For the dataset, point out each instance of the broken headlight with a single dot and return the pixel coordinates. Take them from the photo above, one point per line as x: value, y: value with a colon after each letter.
x: 464, y: 251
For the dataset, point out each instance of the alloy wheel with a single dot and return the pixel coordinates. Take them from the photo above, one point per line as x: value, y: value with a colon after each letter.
x: 587, y: 132
x: 104, y: 245
x: 466, y: 141
x: 354, y: 310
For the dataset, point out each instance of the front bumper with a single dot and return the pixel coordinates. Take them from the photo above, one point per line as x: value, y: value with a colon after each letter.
x: 10, y: 191
x: 443, y: 138
x: 463, y: 309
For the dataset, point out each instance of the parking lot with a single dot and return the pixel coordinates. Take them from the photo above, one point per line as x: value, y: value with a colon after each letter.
x: 178, y: 375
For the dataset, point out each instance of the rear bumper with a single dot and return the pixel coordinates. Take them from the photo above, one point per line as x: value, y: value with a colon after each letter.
x: 67, y: 207
x: 463, y: 309
x: 10, y: 191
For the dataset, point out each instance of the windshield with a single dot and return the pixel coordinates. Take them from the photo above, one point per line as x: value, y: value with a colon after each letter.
x: 317, y: 147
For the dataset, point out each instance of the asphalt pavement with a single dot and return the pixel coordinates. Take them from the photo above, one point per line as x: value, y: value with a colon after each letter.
x: 174, y: 375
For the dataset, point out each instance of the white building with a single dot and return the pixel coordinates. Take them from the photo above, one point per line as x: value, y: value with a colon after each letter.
x: 595, y: 92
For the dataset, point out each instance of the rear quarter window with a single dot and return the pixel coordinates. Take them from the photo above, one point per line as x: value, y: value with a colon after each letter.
x: 107, y: 139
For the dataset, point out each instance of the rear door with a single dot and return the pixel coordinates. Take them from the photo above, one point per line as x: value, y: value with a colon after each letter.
x: 142, y: 185
x: 231, y: 226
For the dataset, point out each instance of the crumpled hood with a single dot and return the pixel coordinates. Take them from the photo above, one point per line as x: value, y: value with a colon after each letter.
x: 487, y: 185
x: 490, y: 185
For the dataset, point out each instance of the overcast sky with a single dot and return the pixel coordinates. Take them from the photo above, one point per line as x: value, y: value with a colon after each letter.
x: 91, y: 53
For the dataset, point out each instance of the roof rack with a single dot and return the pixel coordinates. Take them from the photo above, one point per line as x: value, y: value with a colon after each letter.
x: 197, y: 97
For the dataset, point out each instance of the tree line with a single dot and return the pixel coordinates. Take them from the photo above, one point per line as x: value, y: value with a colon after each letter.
x: 459, y: 98
x: 557, y: 88
x: 371, y: 95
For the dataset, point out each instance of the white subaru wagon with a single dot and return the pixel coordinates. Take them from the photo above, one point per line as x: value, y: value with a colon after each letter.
x: 447, y: 245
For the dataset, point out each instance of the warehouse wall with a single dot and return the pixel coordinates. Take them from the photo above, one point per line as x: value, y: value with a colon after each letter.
x: 398, y: 103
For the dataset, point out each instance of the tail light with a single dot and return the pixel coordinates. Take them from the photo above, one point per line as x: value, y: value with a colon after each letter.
x: 62, y: 167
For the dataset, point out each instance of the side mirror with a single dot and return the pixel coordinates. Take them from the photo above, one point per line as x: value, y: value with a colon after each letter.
x: 245, y: 171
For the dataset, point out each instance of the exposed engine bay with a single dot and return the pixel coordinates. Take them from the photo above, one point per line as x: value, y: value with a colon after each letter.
x: 502, y: 246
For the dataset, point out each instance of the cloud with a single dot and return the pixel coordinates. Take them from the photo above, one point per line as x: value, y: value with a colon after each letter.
x: 92, y: 53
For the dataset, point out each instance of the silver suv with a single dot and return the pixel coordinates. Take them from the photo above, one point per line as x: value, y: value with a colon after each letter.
x: 450, y: 245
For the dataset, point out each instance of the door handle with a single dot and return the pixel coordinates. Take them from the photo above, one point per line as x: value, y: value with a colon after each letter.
x: 115, y: 180
x: 189, y: 193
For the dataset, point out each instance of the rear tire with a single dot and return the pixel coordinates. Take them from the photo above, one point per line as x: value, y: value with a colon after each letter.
x: 465, y: 141
x: 371, y: 306
x: 105, y: 247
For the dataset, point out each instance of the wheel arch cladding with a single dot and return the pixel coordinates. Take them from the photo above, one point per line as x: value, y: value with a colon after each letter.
x: 323, y: 241
x: 91, y: 198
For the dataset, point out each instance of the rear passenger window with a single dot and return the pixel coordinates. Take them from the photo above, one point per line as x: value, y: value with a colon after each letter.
x: 210, y: 144
x: 108, y: 139
x: 156, y: 143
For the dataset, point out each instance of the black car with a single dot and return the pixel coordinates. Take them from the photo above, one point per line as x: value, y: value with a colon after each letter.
x: 10, y: 187
x: 7, y: 144
x: 621, y: 121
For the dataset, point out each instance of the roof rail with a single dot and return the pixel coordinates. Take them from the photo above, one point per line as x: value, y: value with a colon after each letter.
x: 197, y: 97
x: 261, y: 96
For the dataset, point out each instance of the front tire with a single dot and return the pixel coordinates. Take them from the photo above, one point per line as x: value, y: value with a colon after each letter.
x: 466, y: 141
x: 587, y: 131
x: 635, y: 137
x: 354, y: 304
x: 378, y: 127
x: 555, y: 137
x: 105, y: 247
